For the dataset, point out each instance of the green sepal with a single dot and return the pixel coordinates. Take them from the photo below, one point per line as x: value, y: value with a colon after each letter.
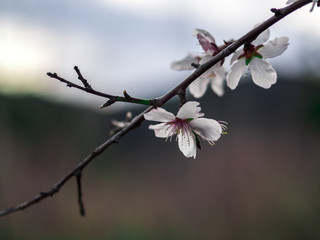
x: 248, y: 60
x: 257, y: 55
x: 197, y: 140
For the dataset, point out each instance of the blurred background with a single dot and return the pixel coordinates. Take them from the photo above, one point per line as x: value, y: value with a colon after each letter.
x: 260, y: 181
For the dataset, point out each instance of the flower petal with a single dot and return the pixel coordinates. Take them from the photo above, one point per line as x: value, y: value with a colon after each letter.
x: 262, y: 38
x: 210, y: 71
x: 185, y: 63
x: 236, y: 55
x: 235, y: 73
x: 189, y: 110
x: 160, y: 115
x: 205, y: 59
x: 162, y: 130
x: 217, y: 83
x: 208, y: 129
x: 262, y: 73
x: 187, y: 144
x: 275, y: 47
x: 206, y: 41
x: 205, y: 34
x: 198, y: 87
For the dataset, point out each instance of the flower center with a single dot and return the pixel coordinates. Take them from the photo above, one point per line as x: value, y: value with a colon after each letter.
x: 180, y: 125
x: 250, y: 51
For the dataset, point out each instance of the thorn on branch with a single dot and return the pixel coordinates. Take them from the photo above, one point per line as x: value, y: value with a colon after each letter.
x: 277, y: 12
x: 127, y: 96
x: 195, y: 65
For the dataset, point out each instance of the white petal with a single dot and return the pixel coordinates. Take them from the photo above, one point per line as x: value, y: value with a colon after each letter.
x: 116, y: 123
x: 205, y: 59
x: 217, y: 83
x: 236, y: 55
x: 235, y: 73
x: 210, y: 71
x: 189, y: 110
x: 262, y: 38
x: 187, y: 144
x: 185, y: 63
x: 206, y: 41
x: 275, y: 47
x: 160, y: 115
x: 204, y: 34
x: 162, y: 130
x: 198, y: 87
x: 262, y: 73
x: 208, y: 129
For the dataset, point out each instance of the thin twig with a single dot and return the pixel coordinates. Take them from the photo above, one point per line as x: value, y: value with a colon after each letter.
x: 79, y: 187
x: 81, y: 78
x: 114, y: 139
x: 87, y: 88
x: 160, y: 101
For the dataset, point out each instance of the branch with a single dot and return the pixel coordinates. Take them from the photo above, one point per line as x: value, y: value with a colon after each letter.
x: 79, y: 168
x: 79, y: 187
x: 76, y: 172
x: 81, y: 78
x: 112, y: 99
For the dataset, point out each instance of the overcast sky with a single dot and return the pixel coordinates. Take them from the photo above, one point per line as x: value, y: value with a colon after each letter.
x: 129, y: 44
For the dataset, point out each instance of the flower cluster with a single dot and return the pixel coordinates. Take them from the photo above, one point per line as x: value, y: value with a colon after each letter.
x: 188, y: 125
x: 252, y: 57
x: 215, y: 75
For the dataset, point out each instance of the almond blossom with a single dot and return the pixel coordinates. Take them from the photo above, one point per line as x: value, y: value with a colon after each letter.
x: 119, y: 125
x: 313, y: 4
x: 252, y: 57
x: 215, y: 75
x: 187, y: 126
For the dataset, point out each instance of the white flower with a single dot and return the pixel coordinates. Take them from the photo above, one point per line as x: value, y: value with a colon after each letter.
x: 187, y: 125
x: 215, y: 75
x: 253, y: 57
x: 186, y: 63
x: 313, y: 4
